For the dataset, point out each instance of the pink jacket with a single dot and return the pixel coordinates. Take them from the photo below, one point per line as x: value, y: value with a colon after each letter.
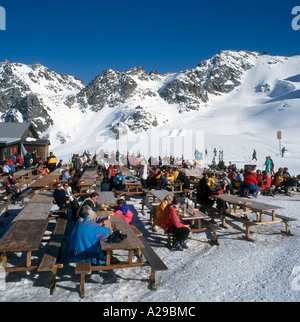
x: 126, y: 212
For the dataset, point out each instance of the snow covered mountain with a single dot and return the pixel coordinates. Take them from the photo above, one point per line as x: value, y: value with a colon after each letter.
x: 231, y: 94
x: 28, y: 93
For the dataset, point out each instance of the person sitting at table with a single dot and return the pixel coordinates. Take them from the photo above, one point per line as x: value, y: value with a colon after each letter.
x: 123, y: 209
x: 66, y: 174
x: 259, y: 177
x: 118, y: 182
x: 176, y: 203
x: 85, y: 239
x: 61, y: 198
x: 43, y: 170
x: 92, y: 202
x: 183, y: 178
x: 75, y: 183
x: 152, y: 180
x: 5, y: 168
x: 20, y: 160
x: 159, y: 213
x: 214, y: 166
x: 175, y: 174
x: 278, y: 179
x: 9, y: 185
x: 228, y: 185
x: 204, y: 193
x: 163, y: 182
x: 171, y: 224
x: 250, y: 182
x: 266, y: 182
x: 59, y: 164
x: 211, y: 181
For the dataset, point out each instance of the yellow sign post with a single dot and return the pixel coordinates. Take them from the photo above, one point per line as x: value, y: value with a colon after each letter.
x: 279, y: 138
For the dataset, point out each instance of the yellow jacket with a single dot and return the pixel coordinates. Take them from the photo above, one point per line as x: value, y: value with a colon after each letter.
x: 175, y: 174
x: 52, y: 159
x: 211, y: 182
x: 159, y: 214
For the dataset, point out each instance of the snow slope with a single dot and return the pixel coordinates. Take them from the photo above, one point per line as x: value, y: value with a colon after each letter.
x: 248, y: 117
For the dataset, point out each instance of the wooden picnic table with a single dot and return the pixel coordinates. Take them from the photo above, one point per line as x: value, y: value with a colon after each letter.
x: 160, y: 194
x: 24, y: 173
x: 239, y: 209
x: 251, y: 205
x: 130, y: 243
x: 89, y: 174
x: 46, y: 182
x: 131, y: 188
x: 34, y: 211
x: 194, y: 218
x: 133, y: 244
x: 86, y: 184
x: 193, y: 173
x: 175, y: 185
x: 107, y: 198
x: 42, y: 197
x: 23, y: 236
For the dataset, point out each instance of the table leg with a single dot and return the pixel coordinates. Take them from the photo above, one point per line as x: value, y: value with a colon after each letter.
x: 273, y: 215
x: 108, y: 257
x: 4, y: 260
x: 152, y: 280
x: 130, y: 256
x: 28, y: 259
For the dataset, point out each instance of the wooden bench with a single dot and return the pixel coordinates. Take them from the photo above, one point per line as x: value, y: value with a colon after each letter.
x: 288, y: 188
x: 83, y: 268
x: 213, y: 228
x: 53, y: 251
x: 246, y: 222
x: 28, y: 181
x: 137, y: 232
x: 152, y: 207
x: 24, y: 194
x: 5, y: 203
x: 284, y: 219
x: 170, y: 240
x: 189, y: 192
x: 211, y: 209
x: 154, y: 261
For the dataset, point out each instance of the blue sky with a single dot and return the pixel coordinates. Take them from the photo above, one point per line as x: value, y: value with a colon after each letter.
x: 83, y: 38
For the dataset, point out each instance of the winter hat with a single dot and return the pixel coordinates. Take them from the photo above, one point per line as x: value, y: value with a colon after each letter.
x: 88, y: 213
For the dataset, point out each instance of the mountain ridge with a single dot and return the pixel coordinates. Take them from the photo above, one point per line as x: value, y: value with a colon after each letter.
x: 116, y: 104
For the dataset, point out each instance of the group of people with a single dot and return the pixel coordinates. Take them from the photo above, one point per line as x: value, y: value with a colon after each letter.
x: 254, y: 181
x: 168, y: 219
x: 160, y: 177
x: 16, y: 162
x: 89, y: 229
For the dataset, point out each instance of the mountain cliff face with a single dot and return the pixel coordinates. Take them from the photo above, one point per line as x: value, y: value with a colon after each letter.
x: 130, y: 101
x: 23, y: 90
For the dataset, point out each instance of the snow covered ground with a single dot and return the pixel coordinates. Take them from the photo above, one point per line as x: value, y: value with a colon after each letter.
x: 237, y: 270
